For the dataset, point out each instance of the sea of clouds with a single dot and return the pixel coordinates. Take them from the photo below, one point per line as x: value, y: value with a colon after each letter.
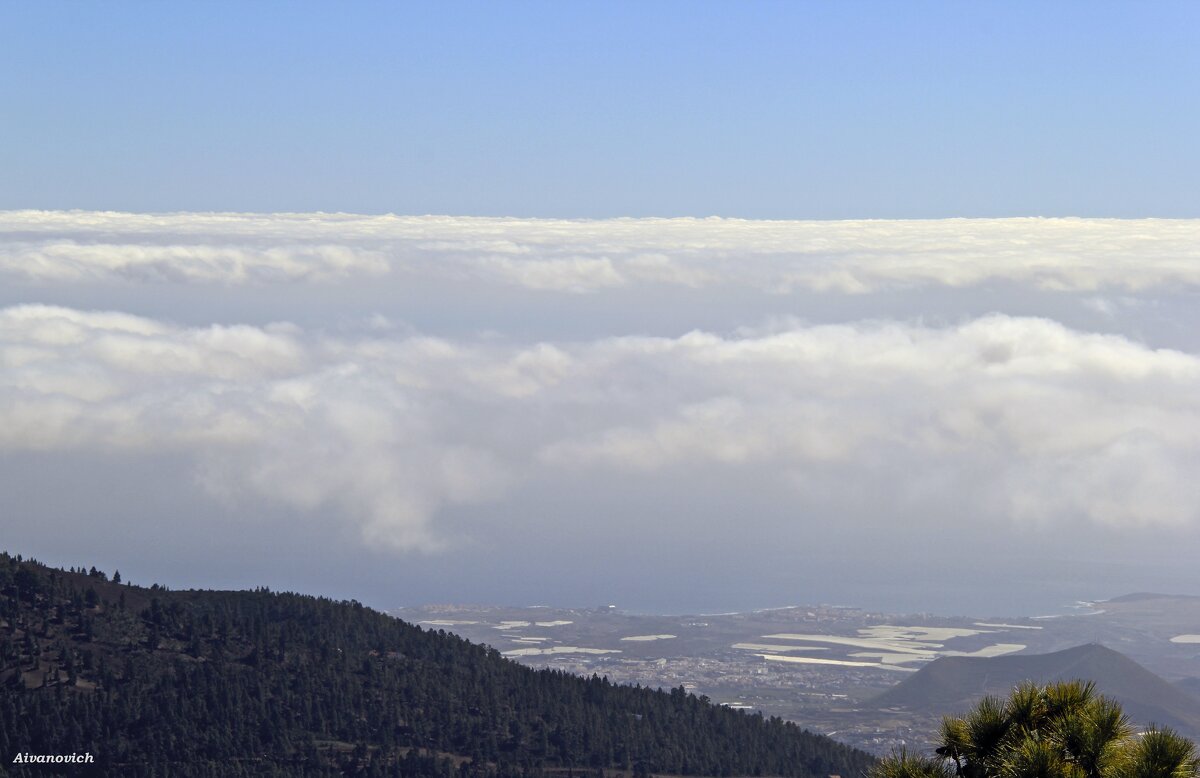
x: 381, y: 422
x: 579, y: 256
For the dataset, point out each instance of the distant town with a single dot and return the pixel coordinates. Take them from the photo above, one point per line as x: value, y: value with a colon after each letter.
x: 821, y: 665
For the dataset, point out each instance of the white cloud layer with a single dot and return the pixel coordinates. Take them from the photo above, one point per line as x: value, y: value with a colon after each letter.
x: 1083, y: 255
x: 1028, y: 420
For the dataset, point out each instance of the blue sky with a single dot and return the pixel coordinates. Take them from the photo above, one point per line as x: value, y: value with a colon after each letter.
x: 759, y: 110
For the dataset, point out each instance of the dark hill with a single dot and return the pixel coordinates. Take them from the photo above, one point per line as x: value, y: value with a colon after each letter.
x: 154, y: 682
x: 952, y: 683
x: 1190, y: 686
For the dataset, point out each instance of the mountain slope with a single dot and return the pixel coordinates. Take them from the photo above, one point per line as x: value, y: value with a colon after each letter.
x: 1190, y: 686
x: 950, y: 684
x: 155, y: 682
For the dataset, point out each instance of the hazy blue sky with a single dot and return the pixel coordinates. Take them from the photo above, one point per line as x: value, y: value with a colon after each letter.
x: 759, y: 110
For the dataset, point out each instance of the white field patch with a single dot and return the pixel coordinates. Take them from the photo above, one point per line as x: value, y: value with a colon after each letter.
x: 559, y: 650
x: 648, y: 638
x: 1005, y: 626
x: 446, y: 623
x: 511, y: 625
x: 894, y: 659
x: 892, y: 645
x: 889, y: 632
x: 776, y: 647
x: 998, y: 649
x: 553, y: 623
x: 528, y: 640
x: 1186, y: 639
x: 812, y: 660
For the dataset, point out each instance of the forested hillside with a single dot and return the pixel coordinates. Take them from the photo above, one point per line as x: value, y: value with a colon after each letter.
x: 155, y: 682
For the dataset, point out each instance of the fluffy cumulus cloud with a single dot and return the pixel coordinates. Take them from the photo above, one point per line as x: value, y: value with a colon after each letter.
x: 844, y: 257
x: 475, y: 399
x: 305, y: 422
x: 1034, y: 421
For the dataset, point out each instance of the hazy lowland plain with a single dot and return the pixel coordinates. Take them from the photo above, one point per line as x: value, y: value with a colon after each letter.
x: 827, y: 666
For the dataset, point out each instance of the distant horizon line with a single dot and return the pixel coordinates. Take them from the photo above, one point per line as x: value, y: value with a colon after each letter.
x: 626, y: 217
x: 739, y: 612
